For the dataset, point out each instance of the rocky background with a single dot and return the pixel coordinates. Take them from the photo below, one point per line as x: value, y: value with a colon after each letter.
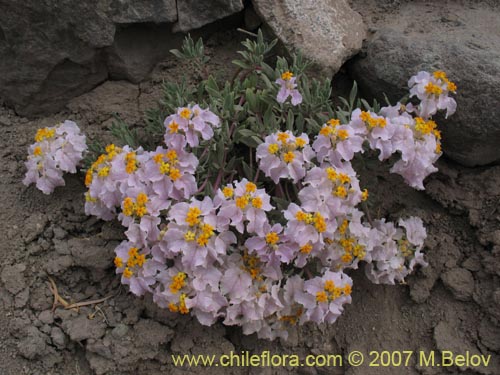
x: 90, y: 60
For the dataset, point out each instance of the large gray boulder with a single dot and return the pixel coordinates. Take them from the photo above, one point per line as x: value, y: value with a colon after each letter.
x: 328, y: 32
x: 196, y: 13
x: 52, y: 51
x: 464, y: 42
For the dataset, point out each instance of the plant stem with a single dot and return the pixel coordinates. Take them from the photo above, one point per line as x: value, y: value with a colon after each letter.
x: 256, y: 175
x: 367, y: 212
x: 202, y: 187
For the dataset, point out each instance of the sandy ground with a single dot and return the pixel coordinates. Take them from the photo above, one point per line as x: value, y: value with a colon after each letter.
x: 454, y: 304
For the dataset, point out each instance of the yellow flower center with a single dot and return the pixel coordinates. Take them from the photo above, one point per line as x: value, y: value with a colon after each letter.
x: 283, y: 137
x: 189, y: 236
x: 241, y: 202
x: 186, y: 113
x: 326, y: 131
x: 288, y: 157
x: 343, y: 134
x: 173, y: 127
x: 257, y: 202
x: 228, y: 192
x: 364, y: 195
x: 329, y: 286
x: 174, y: 174
x: 142, y: 199
x: 341, y: 192
x: 433, y: 89
x: 192, y: 217
x: 178, y: 281
x: 286, y: 76
x: 300, y: 142
x: 333, y: 122
x: 171, y: 155
x: 321, y: 296
x: 331, y: 174
x: 127, y: 273
x: 250, y: 187
x: 131, y: 162
x: 273, y: 148
x: 319, y: 222
x: 439, y: 74
x: 182, y: 304
x: 103, y: 172
x: 164, y: 167
x: 343, y: 227
x: 44, y: 133
x: 371, y: 121
x: 306, y: 249
x: 272, y: 238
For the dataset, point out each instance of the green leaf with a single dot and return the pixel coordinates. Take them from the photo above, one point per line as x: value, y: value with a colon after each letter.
x: 247, y: 170
x: 241, y: 64
x: 290, y: 121
x: 352, y: 96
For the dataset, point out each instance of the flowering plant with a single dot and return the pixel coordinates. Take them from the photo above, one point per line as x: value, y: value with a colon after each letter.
x: 243, y: 204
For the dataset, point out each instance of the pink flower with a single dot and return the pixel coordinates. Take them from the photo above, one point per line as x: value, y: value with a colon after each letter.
x: 396, y: 251
x: 331, y: 191
x: 336, y: 143
x: 288, y: 88
x: 188, y: 124
x: 198, y: 234
x: 56, y: 150
x: 433, y: 91
x: 282, y: 155
x: 325, y: 296
x: 135, y: 267
x: 171, y: 173
x: 307, y: 227
x: 241, y: 202
x: 272, y: 247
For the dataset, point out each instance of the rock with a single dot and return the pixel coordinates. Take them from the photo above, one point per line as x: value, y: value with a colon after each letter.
x: 418, y: 38
x: 489, y: 334
x: 140, y: 11
x: 194, y: 13
x: 58, y: 337
x: 447, y: 338
x: 460, y: 282
x: 326, y: 32
x: 112, y: 97
x: 33, y: 345
x: 120, y: 330
x: 91, y: 252
x: 5, y: 121
x: 50, y: 51
x: 99, y: 365
x: 53, y: 51
x: 22, y: 298
x: 472, y: 264
x: 81, y: 328
x: 59, y: 233
x: 112, y: 231
x: 143, y: 341
x: 138, y: 48
x: 33, y: 225
x: 59, y: 264
x: 252, y: 20
x: 13, y: 277
x: 46, y: 317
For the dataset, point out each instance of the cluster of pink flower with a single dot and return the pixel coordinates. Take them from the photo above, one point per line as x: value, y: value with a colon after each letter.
x: 56, y: 150
x: 394, y: 131
x: 224, y: 257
